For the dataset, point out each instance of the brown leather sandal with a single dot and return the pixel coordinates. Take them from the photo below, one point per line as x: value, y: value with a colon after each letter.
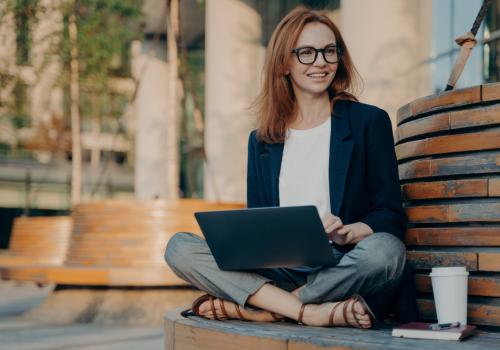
x: 351, y: 302
x: 197, y: 303
x: 366, y: 308
x: 346, y: 303
x: 330, y: 317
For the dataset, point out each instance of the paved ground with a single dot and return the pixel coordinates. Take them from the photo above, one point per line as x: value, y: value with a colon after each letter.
x: 17, y: 333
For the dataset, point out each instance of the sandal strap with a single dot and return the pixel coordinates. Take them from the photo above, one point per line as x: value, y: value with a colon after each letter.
x: 344, y: 311
x: 238, y: 311
x: 275, y: 316
x: 355, y: 300
x: 301, y: 313
x: 223, y: 308
x: 212, y: 306
x: 332, y: 314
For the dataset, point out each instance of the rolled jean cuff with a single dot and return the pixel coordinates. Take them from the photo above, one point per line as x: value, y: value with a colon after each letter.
x: 241, y: 296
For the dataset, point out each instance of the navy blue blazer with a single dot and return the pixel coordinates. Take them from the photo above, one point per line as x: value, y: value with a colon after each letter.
x: 363, y: 171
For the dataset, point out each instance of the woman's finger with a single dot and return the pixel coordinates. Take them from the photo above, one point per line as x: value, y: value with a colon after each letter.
x: 344, y: 230
x: 337, y: 224
x: 334, y: 226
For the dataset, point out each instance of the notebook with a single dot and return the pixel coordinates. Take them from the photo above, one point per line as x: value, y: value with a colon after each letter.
x: 419, y: 330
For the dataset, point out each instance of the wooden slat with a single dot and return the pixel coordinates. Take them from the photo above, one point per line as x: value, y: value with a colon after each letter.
x: 422, y: 126
x: 482, y: 311
x: 488, y: 286
x: 429, y: 259
x: 481, y: 116
x: 490, y: 140
x: 483, y: 163
x: 454, y: 236
x: 491, y: 92
x: 38, y: 240
x: 489, y: 261
x: 447, y: 99
x: 465, y: 212
x: 494, y: 187
x: 446, y: 189
x: 78, y: 275
x: 415, y: 169
x: 454, y: 120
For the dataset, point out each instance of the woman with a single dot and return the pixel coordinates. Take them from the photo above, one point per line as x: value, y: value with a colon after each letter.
x: 315, y: 145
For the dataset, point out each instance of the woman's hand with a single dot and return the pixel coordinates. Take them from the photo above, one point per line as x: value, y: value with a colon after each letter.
x: 332, y: 225
x: 344, y: 234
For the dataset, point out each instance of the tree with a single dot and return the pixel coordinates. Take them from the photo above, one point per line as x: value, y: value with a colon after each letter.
x: 173, y: 102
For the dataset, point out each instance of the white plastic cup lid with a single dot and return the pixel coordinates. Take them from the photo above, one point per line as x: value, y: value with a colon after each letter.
x: 449, y: 271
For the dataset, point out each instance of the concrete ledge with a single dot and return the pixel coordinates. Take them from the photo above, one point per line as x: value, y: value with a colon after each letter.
x: 198, y: 333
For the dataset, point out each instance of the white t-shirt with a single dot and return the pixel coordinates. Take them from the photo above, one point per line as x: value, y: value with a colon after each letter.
x: 304, y: 168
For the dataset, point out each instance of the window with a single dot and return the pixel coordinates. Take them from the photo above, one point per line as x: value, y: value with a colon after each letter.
x: 491, y: 47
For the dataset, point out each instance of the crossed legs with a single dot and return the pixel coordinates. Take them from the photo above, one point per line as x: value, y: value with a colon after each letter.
x: 375, y: 264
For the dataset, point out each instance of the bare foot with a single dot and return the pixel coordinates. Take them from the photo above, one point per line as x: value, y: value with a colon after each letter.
x: 230, y: 308
x: 318, y: 315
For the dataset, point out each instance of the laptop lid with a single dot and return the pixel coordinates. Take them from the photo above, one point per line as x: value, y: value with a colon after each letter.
x: 266, y: 237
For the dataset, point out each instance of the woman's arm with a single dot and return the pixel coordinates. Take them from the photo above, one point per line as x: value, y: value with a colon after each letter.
x: 384, y: 191
x: 254, y: 199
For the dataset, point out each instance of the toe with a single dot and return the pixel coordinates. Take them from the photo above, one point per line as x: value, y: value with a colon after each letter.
x: 360, y: 310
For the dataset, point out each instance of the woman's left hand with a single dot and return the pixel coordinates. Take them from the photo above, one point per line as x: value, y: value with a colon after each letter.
x: 352, y: 233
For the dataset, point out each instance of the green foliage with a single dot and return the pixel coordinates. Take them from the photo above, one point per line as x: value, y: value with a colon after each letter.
x: 24, y: 11
x: 105, y: 30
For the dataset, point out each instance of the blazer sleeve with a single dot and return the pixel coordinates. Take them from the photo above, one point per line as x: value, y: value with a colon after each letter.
x: 254, y: 197
x: 384, y: 192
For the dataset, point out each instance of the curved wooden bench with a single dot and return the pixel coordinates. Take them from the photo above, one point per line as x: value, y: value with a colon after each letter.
x: 121, y: 243
x: 38, y: 240
x: 448, y: 149
x: 199, y: 333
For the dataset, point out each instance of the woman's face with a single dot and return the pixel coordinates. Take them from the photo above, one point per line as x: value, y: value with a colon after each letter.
x: 313, y: 78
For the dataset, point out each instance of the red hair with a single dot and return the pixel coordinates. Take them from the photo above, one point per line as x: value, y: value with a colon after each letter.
x: 276, y: 103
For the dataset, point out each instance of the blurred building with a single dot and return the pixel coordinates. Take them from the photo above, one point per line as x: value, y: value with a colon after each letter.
x: 402, y: 49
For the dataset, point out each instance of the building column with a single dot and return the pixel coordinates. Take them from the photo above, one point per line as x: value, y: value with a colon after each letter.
x: 388, y: 41
x: 234, y: 57
x: 150, y: 68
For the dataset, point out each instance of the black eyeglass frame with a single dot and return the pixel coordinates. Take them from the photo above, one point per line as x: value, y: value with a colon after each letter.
x: 316, y: 51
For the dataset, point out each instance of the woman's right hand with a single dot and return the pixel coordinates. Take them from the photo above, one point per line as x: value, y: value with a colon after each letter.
x: 332, y: 223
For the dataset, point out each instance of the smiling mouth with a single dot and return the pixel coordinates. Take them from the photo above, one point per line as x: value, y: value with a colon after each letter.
x: 317, y: 75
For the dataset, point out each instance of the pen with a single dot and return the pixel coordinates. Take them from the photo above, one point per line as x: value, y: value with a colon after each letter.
x: 439, y: 326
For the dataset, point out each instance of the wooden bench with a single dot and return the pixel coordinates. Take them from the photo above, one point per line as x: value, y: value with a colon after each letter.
x: 119, y: 243
x: 198, y: 333
x: 448, y: 148
x: 38, y: 241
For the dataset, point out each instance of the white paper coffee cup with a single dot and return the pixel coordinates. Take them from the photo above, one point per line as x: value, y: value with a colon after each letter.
x: 449, y: 285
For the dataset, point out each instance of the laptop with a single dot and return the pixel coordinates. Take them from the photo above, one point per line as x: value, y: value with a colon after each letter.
x: 270, y: 237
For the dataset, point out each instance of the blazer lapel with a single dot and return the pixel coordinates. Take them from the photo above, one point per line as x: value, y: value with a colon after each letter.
x: 271, y: 165
x: 340, y: 155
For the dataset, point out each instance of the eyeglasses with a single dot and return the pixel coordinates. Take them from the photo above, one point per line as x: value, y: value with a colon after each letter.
x: 309, y: 54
